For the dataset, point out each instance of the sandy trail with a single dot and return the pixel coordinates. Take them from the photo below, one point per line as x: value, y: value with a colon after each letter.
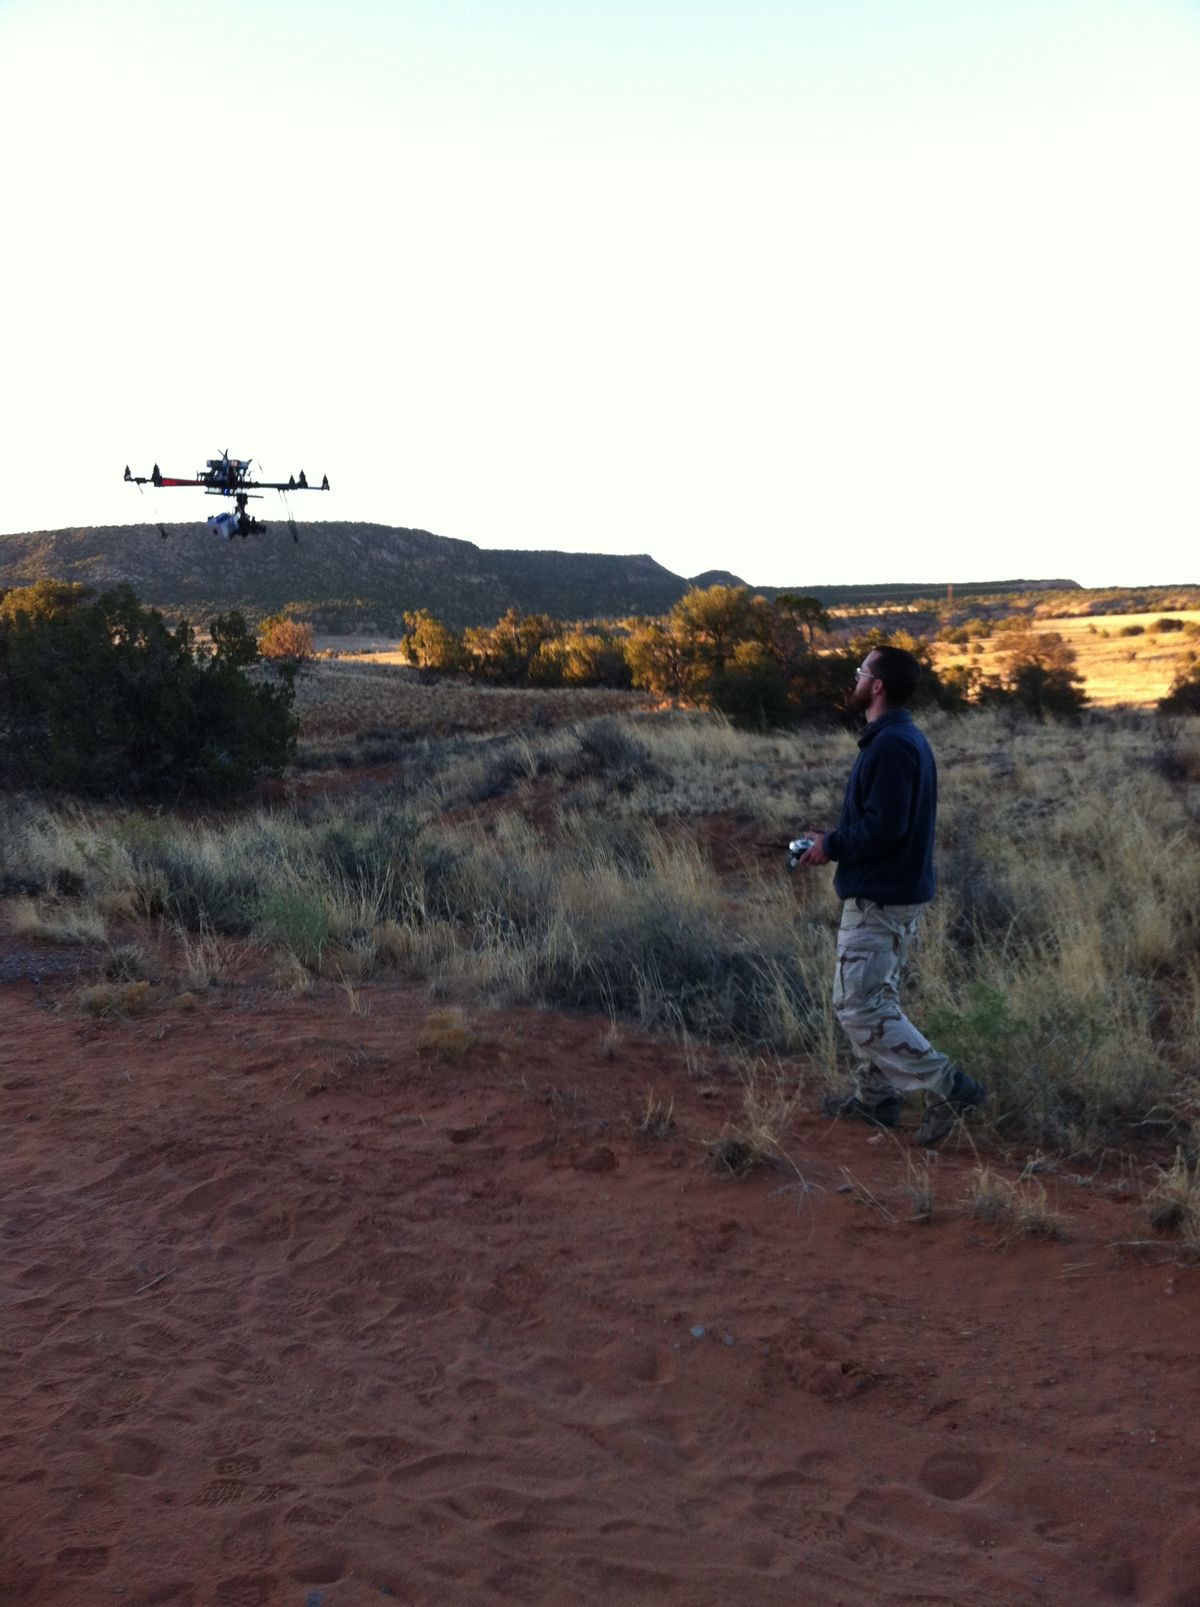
x: 294, y: 1314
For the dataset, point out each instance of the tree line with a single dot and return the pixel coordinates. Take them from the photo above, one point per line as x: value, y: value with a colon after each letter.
x: 100, y: 695
x: 761, y: 661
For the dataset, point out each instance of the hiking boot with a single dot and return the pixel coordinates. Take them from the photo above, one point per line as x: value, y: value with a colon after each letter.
x: 848, y: 1106
x: 941, y: 1115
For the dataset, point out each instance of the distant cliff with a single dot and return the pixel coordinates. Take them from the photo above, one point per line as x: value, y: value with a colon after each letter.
x: 365, y: 576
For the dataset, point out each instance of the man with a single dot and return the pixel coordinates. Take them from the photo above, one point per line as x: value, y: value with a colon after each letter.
x: 883, y: 847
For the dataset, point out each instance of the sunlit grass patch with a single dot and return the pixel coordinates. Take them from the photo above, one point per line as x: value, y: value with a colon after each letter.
x: 48, y: 922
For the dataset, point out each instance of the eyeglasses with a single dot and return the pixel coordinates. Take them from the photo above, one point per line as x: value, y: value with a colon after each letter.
x: 858, y: 674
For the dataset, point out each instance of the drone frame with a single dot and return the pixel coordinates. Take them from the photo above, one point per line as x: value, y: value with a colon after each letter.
x: 229, y: 477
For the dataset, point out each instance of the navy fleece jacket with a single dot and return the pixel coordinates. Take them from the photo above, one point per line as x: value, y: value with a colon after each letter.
x: 883, y: 843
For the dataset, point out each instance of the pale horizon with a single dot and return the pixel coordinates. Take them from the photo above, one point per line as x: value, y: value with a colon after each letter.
x: 813, y: 293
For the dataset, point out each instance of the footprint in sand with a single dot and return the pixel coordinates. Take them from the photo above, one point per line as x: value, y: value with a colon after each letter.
x: 220, y: 1493
x: 473, y: 1390
x: 814, y: 1467
x: 40, y: 1272
x: 418, y: 1373
x: 249, y: 1543
x: 273, y: 1492
x: 246, y: 1590
x: 83, y: 1560
x: 379, y: 1450
x: 232, y: 1438
x: 1178, y: 1573
x: 552, y: 1375
x: 132, y: 1454
x: 953, y: 1475
x: 1122, y: 1582
x: 318, y: 1566
x: 172, y: 1593
x: 230, y: 1356
x: 310, y: 1517
x: 487, y: 1503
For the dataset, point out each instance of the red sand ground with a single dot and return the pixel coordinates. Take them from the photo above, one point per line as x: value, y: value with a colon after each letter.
x: 295, y: 1314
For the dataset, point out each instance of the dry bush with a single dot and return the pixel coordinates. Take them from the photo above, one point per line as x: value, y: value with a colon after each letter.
x: 1020, y: 1209
x: 1032, y: 1215
x: 354, y: 960
x: 754, y: 1138
x: 655, y: 1119
x: 286, y: 640
x: 55, y: 923
x: 356, y: 1000
x: 129, y: 962
x: 918, y: 1186
x: 290, y: 977
x: 120, y: 1000
x: 446, y: 1034
x: 1173, y: 1203
x: 62, y: 851
x: 610, y: 1043
x: 987, y: 1194
x: 205, y: 959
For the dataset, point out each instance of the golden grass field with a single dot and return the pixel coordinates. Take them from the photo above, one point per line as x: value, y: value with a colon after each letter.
x: 354, y: 694
x: 1117, y: 670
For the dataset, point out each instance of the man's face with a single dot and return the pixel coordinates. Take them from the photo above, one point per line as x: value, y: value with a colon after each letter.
x: 865, y: 684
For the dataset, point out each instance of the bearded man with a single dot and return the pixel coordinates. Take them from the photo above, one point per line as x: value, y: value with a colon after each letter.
x: 883, y: 848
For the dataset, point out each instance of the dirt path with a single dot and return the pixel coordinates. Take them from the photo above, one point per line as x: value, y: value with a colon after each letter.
x: 294, y: 1314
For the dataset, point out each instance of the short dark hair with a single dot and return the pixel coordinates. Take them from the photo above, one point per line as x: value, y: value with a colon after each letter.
x: 899, y: 671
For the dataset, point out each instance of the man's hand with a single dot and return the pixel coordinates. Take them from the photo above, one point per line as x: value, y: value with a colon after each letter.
x: 815, y: 855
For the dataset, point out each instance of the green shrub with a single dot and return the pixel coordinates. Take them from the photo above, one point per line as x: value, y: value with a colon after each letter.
x: 101, y: 697
x: 295, y: 921
x: 982, y: 1033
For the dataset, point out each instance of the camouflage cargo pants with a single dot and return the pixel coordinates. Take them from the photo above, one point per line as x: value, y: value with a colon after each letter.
x: 893, y: 1057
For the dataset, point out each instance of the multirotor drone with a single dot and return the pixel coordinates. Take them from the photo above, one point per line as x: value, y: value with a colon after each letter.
x: 229, y: 477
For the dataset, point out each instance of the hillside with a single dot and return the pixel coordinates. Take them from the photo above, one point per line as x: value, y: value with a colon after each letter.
x: 359, y: 577
x: 341, y: 575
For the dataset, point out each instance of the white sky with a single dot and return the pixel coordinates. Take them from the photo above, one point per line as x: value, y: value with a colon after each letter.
x: 812, y: 290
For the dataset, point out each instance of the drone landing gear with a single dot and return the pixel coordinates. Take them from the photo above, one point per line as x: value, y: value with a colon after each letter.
x: 247, y: 524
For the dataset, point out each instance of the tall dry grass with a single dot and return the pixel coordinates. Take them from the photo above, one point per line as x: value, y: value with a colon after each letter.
x: 1060, y: 962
